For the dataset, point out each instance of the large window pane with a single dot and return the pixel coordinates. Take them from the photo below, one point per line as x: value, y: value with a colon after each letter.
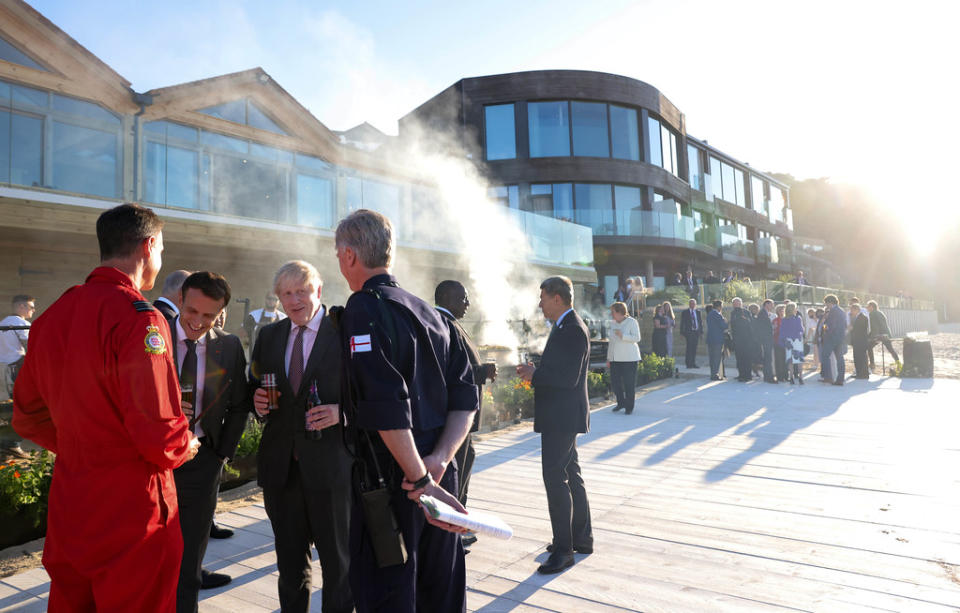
x: 693, y: 167
x: 629, y: 206
x: 624, y: 134
x: 665, y: 146
x: 84, y: 160
x: 656, y: 152
x: 26, y: 150
x: 729, y: 189
x: 83, y: 109
x: 249, y: 189
x: 223, y: 142
x: 594, y: 207
x: 155, y: 173
x: 234, y: 111
x: 259, y: 119
x: 757, y: 195
x: 383, y: 198
x: 738, y: 183
x: 11, y: 54
x: 716, y: 183
x: 776, y: 204
x: 501, y: 132
x: 4, y: 146
x: 182, y: 176
x: 549, y: 125
x: 315, y: 202
x: 590, y: 134
x: 30, y: 96
x: 505, y: 195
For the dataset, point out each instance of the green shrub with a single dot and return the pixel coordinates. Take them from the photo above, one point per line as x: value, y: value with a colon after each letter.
x: 26, y: 486
x: 674, y: 294
x: 746, y: 291
x: 653, y: 367
x: 514, y: 397
x: 666, y: 369
x: 598, y: 384
x: 250, y: 439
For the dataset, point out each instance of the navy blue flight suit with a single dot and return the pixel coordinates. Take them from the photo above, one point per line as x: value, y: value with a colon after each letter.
x: 401, y: 371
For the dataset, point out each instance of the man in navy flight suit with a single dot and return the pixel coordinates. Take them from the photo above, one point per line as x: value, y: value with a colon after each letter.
x: 408, y: 427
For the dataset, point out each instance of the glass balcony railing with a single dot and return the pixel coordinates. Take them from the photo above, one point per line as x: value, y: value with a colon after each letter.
x: 733, y: 245
x: 556, y: 241
x: 654, y: 224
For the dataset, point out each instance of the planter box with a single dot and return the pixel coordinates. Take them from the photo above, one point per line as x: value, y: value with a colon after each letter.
x: 19, y: 529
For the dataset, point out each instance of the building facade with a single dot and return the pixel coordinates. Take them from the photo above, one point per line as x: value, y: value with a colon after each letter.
x: 612, y: 153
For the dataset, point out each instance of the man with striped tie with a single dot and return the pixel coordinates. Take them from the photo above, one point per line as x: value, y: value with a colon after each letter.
x: 303, y: 465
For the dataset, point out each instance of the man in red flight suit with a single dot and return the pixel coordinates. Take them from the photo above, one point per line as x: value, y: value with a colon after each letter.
x: 100, y: 390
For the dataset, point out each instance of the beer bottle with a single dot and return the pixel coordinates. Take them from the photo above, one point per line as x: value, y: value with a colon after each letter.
x: 313, y: 400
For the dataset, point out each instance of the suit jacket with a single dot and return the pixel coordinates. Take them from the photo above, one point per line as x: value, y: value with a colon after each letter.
x: 165, y: 309
x: 560, y: 382
x: 860, y: 333
x: 226, y: 403
x: 478, y: 368
x: 878, y: 324
x: 716, y: 326
x: 834, y: 327
x: 763, y: 328
x: 284, y: 435
x: 686, y: 324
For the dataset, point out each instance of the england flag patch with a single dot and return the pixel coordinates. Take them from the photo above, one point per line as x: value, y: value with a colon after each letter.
x: 360, y: 343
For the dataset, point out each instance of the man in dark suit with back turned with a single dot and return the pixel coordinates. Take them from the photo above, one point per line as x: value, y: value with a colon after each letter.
x: 562, y: 411
x: 213, y: 363
x: 691, y: 327
x: 305, y: 480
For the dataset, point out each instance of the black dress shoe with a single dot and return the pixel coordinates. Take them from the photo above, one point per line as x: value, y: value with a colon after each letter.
x: 617, y: 408
x: 584, y: 549
x: 556, y: 563
x: 219, y: 532
x: 838, y: 383
x: 209, y: 581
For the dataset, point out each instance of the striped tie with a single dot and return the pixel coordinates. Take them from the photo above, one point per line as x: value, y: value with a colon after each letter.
x: 295, y: 373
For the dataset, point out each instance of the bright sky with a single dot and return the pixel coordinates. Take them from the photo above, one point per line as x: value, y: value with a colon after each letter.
x: 860, y: 91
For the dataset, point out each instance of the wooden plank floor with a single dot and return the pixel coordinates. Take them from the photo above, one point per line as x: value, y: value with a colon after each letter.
x: 710, y: 497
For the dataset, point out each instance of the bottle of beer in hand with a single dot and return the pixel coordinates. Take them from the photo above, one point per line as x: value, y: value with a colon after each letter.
x: 313, y: 400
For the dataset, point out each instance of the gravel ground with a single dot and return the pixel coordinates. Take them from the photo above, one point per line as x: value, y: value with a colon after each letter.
x: 946, y: 356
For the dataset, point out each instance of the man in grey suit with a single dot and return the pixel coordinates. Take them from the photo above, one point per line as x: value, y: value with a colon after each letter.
x: 305, y: 477
x: 212, y: 364
x: 562, y: 410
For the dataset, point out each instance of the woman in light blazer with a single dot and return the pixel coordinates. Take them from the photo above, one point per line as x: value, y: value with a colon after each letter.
x: 623, y: 355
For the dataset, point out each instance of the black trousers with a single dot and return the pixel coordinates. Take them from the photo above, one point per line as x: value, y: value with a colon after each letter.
x: 433, y: 578
x: 860, y: 359
x: 691, y: 355
x: 566, y: 494
x: 465, y: 457
x: 744, y: 357
x: 301, y: 517
x: 623, y: 380
x: 886, y: 343
x: 780, y: 362
x: 837, y: 351
x: 197, y: 484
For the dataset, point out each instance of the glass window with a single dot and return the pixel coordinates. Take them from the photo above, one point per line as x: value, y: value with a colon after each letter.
x: 656, y: 150
x: 234, y: 111
x: 11, y: 54
x: 271, y: 153
x: 738, y: 183
x: 175, y: 130
x: 505, y: 195
x: 354, y: 194
x: 83, y: 109
x: 4, y: 91
x: 182, y: 170
x: 776, y: 204
x: 248, y: 188
x: 26, y: 150
x: 312, y: 163
x: 674, y: 167
x: 315, y: 201
x: 716, y: 183
x: 549, y: 124
x: 693, y: 167
x: 729, y: 189
x: 383, y: 198
x: 590, y: 132
x: 623, y: 133
x: 84, y: 160
x: 259, y: 119
x: 30, y: 96
x: 665, y: 145
x: 594, y: 207
x: 757, y: 196
x: 223, y: 142
x: 629, y: 208
x: 155, y: 172
x: 554, y: 200
x: 501, y: 132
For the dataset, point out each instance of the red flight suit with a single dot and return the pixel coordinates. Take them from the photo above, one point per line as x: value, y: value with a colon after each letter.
x: 99, y: 388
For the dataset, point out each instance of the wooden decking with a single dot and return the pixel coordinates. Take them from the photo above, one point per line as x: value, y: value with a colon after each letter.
x: 710, y: 497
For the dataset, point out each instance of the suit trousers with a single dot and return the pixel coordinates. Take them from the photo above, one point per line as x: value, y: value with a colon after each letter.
x: 767, y: 347
x: 860, y: 359
x: 432, y: 579
x: 837, y: 352
x: 744, y: 364
x: 300, y: 517
x: 693, y: 338
x: 780, y: 362
x: 886, y: 343
x: 465, y: 456
x: 716, y: 359
x: 566, y: 494
x: 623, y: 380
x: 198, y: 482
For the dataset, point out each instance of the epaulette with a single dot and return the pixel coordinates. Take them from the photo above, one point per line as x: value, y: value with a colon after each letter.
x: 143, y: 306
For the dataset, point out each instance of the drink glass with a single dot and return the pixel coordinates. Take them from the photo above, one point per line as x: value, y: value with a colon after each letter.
x: 269, y: 384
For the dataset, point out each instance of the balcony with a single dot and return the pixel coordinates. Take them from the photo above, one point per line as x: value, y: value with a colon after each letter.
x: 737, y: 249
x: 555, y: 241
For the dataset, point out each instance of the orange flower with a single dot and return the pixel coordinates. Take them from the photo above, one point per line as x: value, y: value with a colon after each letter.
x: 16, y: 474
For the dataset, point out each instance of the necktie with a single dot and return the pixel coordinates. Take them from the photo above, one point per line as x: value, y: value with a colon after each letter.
x: 188, y: 370
x: 693, y: 318
x: 296, y: 361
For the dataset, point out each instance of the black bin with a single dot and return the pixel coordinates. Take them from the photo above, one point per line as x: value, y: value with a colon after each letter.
x: 917, y: 357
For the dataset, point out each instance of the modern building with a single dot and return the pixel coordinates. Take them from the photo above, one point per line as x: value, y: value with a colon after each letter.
x: 244, y: 176
x: 613, y: 153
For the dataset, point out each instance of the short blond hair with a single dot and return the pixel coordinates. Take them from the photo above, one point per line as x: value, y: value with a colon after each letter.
x: 297, y: 271
x: 791, y: 309
x: 619, y: 307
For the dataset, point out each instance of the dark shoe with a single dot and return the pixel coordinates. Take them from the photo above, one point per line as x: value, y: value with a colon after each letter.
x: 800, y: 380
x: 219, y: 532
x: 468, y: 539
x: 209, y: 581
x: 628, y: 412
x: 16, y: 451
x: 556, y: 563
x: 837, y: 383
x: 769, y: 380
x: 584, y: 549
x: 790, y: 380
x: 616, y: 408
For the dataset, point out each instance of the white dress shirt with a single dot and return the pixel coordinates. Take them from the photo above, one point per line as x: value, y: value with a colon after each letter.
x: 309, y: 337
x: 201, y: 350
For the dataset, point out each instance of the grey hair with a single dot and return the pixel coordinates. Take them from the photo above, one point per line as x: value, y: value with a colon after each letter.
x: 171, y: 285
x: 370, y: 235
x: 297, y: 271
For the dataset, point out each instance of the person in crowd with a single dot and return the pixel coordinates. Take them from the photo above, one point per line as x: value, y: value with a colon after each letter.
x: 779, y: 349
x: 305, y: 476
x: 791, y: 340
x: 834, y: 338
x: 716, y: 327
x: 405, y: 428
x: 860, y: 341
x: 741, y: 326
x: 727, y: 276
x: 258, y: 319
x: 763, y: 326
x: 212, y: 364
x: 622, y: 295
x: 658, y: 342
x: 168, y: 303
x: 879, y: 333
x: 810, y: 336
x: 670, y: 321
x: 691, y: 327
x: 710, y: 278
x: 826, y: 361
x: 623, y: 355
x: 562, y: 412
x: 800, y: 278
x: 452, y: 300
x: 756, y: 350
x: 690, y: 285
x: 677, y: 279
x: 13, y: 343
x: 111, y: 413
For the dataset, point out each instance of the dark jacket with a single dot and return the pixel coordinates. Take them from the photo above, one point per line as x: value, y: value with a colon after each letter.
x: 878, y: 324
x: 458, y: 334
x: 226, y: 403
x: 763, y: 328
x: 716, y: 325
x: 165, y: 309
x: 686, y: 322
x: 285, y: 431
x: 834, y: 327
x: 741, y: 325
x: 860, y: 331
x: 560, y: 382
